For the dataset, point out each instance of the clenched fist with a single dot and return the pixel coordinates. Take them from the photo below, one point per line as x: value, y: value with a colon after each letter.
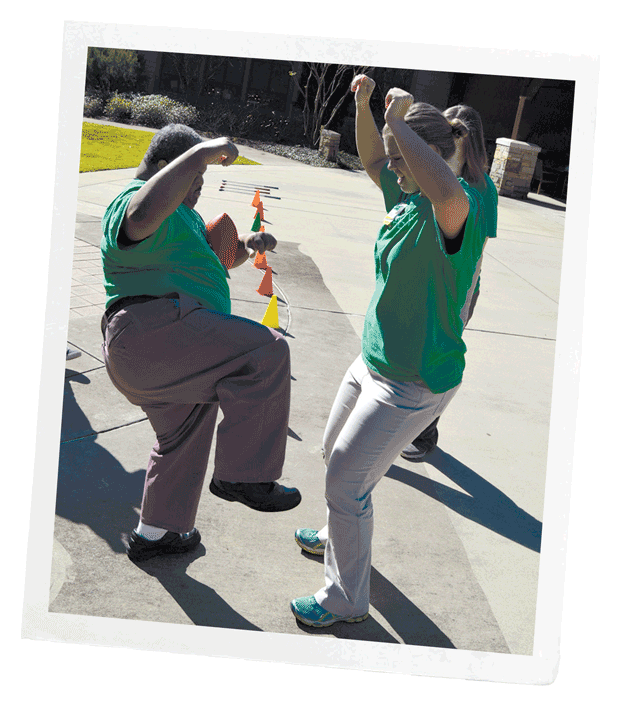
x: 363, y: 87
x: 397, y: 103
x: 258, y: 242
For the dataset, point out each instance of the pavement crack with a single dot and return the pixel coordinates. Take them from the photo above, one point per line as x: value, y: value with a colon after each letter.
x: 329, y: 311
x: 516, y: 335
x: 540, y: 291
x: 93, y: 435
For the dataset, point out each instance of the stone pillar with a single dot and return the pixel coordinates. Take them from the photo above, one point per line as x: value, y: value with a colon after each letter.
x: 329, y: 144
x: 513, y: 167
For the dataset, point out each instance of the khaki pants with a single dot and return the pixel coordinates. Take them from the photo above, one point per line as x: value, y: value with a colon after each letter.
x: 371, y: 421
x: 180, y: 362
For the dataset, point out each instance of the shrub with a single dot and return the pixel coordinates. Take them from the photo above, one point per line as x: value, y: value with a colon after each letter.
x: 93, y: 105
x: 157, y: 111
x: 220, y: 118
x: 260, y: 123
x: 118, y: 107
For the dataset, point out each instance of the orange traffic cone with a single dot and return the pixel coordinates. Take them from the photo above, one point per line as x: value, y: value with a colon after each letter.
x: 266, y: 285
x: 256, y: 199
x: 271, y: 315
x: 261, y: 228
x: 260, y: 261
x: 260, y: 210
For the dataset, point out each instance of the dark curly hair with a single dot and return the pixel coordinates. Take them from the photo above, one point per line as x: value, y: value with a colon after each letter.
x: 170, y: 142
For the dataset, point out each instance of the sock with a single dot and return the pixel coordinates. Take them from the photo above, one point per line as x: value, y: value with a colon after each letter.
x: 151, y: 533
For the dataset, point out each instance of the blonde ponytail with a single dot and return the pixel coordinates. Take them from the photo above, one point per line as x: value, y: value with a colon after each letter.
x: 466, y: 125
x: 458, y: 128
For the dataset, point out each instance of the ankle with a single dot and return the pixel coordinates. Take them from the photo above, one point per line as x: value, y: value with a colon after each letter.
x: 150, y: 533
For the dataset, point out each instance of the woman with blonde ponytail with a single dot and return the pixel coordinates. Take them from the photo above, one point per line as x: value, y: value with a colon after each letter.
x: 469, y: 162
x: 412, y: 362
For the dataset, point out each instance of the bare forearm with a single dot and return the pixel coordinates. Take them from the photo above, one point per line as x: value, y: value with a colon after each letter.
x: 164, y: 191
x: 434, y: 177
x: 368, y: 140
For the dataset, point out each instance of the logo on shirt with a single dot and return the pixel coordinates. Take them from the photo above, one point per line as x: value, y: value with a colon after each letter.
x: 395, y: 212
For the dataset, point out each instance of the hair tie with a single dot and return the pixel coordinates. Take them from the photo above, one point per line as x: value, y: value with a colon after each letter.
x: 458, y: 129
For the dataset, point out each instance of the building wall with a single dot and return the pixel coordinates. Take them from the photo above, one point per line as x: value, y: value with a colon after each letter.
x: 546, y: 119
x: 432, y: 87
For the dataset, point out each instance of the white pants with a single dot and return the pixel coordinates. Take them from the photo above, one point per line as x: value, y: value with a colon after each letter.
x: 371, y: 421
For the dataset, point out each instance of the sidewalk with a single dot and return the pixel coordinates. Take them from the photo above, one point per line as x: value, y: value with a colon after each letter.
x: 455, y: 559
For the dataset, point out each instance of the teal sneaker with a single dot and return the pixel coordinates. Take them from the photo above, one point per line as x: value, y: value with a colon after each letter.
x: 308, y: 611
x: 306, y: 538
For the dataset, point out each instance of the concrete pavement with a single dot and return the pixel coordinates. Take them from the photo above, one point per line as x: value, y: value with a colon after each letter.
x: 456, y: 547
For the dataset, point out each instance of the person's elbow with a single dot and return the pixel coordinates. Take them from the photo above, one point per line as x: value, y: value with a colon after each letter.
x: 135, y: 227
x: 137, y: 224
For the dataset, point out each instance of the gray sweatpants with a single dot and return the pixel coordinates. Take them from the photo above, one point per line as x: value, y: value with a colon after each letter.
x: 180, y: 362
x: 371, y: 421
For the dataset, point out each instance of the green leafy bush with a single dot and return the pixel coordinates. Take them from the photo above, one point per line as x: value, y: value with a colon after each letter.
x: 157, y: 111
x: 219, y: 117
x: 119, y: 107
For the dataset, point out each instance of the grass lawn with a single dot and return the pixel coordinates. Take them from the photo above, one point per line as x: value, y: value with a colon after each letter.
x: 110, y: 147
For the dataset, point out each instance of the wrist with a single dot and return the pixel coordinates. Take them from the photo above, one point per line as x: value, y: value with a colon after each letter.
x: 211, y: 151
x: 394, y: 121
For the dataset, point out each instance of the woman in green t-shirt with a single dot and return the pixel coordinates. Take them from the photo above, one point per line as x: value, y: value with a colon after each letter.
x: 427, y: 255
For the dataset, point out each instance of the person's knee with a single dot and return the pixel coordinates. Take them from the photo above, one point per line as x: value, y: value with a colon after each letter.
x: 280, y: 349
x: 348, y: 500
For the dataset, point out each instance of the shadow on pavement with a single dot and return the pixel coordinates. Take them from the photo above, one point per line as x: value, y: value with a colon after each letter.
x: 202, y: 605
x: 548, y: 205
x: 93, y: 488
x: 410, y: 623
x: 483, y: 503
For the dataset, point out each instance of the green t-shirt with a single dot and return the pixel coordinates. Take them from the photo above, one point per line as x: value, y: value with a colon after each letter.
x: 413, y: 326
x: 490, y: 200
x: 176, y: 258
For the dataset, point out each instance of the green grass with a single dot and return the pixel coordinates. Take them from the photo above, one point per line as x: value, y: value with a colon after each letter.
x: 110, y: 148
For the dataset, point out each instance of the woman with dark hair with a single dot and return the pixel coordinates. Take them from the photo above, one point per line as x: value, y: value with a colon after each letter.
x: 173, y: 347
x: 412, y: 361
x: 470, y: 161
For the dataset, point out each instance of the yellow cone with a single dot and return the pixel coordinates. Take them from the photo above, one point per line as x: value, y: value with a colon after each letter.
x: 270, y: 318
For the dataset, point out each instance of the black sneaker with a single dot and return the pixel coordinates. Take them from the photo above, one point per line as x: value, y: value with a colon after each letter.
x: 140, y: 549
x: 420, y: 447
x: 416, y: 451
x: 267, y: 496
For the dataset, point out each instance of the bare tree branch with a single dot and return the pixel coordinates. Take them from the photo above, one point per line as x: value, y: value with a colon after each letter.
x: 330, y: 82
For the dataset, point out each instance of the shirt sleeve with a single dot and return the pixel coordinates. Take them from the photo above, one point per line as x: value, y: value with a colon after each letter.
x: 475, y: 230
x: 391, y: 191
x: 114, y: 217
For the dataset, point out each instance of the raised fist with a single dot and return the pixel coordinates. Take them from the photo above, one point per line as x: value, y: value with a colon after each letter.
x: 397, y: 103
